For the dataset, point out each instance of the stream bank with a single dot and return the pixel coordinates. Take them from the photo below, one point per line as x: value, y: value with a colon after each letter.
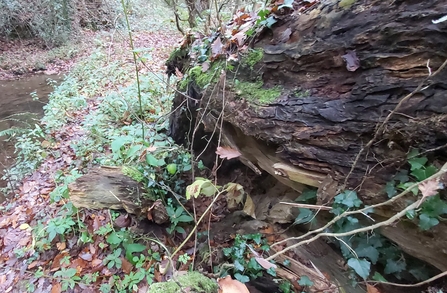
x: 19, y: 109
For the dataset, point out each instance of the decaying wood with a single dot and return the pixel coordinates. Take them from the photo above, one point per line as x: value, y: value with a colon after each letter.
x: 341, y: 72
x: 107, y: 188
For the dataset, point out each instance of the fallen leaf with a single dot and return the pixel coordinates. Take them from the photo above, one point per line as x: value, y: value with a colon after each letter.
x: 57, y: 288
x: 86, y: 256
x: 23, y: 226
x: 371, y: 289
x: 61, y: 246
x: 249, y: 207
x: 265, y: 263
x: 429, y: 188
x: 227, y: 153
x: 126, y: 266
x: 96, y: 262
x: 123, y: 221
x: 178, y: 73
x: 228, y: 285
x: 216, y: 48
x: 235, y: 194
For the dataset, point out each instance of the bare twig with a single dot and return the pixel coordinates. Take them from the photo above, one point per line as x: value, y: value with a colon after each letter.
x: 438, y: 276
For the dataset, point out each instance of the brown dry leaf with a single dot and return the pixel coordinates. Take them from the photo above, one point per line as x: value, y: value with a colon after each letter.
x: 235, y: 194
x: 61, y: 246
x: 228, y: 285
x: 249, y: 207
x: 126, y: 266
x: 96, y: 262
x: 57, y: 288
x: 227, y: 153
x: 269, y: 233
x: 371, y: 289
x: 216, y: 48
x: 178, y: 73
x: 429, y: 188
x: 123, y: 221
x: 86, y: 256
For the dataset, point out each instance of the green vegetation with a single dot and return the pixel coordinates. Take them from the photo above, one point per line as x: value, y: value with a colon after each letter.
x: 365, y: 251
x: 254, y: 92
x: 243, y: 269
x: 253, y: 57
x: 346, y: 3
x: 195, y: 281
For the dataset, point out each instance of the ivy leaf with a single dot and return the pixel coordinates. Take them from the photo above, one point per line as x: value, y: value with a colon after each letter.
x: 417, y: 163
x: 238, y: 266
x: 287, y: 3
x: 369, y: 251
x: 406, y: 185
x: 304, y: 216
x: 305, y: 281
x: 270, y: 21
x: 241, y: 278
x: 307, y: 195
x: 411, y: 214
x: 378, y: 277
x: 393, y: 266
x: 390, y: 189
x: 348, y: 198
x: 361, y: 266
x: 402, y: 176
x: 426, y: 222
x: 152, y: 161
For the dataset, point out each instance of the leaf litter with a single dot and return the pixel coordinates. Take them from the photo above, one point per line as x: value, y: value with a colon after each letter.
x: 31, y: 204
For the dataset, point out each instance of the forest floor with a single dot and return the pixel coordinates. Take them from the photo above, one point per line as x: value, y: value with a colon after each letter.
x: 31, y: 212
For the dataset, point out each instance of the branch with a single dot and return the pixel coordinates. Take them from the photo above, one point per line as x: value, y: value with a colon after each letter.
x: 413, y: 285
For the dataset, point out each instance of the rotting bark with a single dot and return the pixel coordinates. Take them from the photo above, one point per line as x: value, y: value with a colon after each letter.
x: 332, y: 101
x: 107, y: 188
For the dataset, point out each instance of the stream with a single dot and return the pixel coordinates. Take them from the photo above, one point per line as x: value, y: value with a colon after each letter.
x: 16, y: 106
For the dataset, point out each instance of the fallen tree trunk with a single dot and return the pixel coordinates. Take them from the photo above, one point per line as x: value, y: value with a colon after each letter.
x: 334, y: 96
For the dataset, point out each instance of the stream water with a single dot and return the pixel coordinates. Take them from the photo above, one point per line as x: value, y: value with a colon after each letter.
x: 16, y: 105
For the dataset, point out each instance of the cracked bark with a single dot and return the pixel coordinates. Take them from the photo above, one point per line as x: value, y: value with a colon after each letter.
x: 327, y: 113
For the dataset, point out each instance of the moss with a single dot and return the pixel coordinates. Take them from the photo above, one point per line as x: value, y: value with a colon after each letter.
x: 195, y: 281
x: 253, y: 57
x: 202, y: 79
x: 177, y: 54
x: 254, y: 92
x: 346, y: 3
x: 302, y: 94
x: 133, y: 173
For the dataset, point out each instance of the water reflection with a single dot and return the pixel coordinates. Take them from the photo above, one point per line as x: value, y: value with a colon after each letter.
x: 15, y: 98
